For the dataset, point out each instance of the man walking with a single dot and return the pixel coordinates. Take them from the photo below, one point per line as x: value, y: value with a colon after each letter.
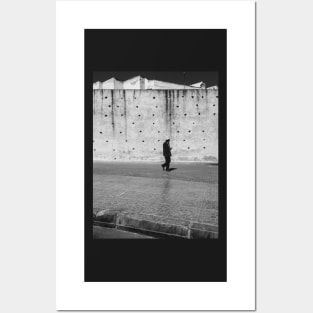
x: 167, y: 155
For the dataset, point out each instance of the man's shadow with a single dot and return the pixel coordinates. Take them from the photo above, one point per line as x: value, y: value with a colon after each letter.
x: 172, y: 169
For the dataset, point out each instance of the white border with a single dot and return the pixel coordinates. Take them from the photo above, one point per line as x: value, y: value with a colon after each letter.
x: 238, y: 17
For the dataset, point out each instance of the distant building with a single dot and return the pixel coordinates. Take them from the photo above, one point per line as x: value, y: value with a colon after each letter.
x: 213, y: 88
x: 199, y: 85
x: 139, y: 82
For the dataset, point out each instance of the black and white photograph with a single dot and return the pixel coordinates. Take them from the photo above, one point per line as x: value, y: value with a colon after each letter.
x: 155, y: 155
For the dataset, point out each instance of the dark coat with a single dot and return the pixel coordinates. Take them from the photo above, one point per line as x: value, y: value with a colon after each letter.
x: 166, y: 150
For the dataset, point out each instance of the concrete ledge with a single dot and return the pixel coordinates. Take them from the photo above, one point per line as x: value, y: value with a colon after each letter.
x: 154, y: 225
x: 149, y: 232
x: 106, y: 216
x: 202, y: 234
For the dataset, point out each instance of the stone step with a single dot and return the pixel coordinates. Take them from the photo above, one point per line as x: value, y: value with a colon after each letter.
x: 155, y: 226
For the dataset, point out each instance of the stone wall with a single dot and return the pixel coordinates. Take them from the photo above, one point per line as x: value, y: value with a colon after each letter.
x: 133, y: 124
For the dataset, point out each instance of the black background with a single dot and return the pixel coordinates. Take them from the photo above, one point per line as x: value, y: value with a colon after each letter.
x: 161, y: 260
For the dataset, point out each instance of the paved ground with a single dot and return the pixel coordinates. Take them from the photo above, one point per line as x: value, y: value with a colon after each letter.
x: 188, y: 193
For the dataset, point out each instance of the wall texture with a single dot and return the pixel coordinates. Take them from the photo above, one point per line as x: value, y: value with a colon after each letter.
x: 133, y: 124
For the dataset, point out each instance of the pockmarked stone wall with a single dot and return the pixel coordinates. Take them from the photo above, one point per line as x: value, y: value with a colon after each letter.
x: 133, y: 124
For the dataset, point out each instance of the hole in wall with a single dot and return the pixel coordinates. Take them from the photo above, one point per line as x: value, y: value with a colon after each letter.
x: 203, y: 147
x: 105, y: 97
x: 202, y: 97
x: 173, y: 123
x: 177, y: 106
x: 192, y: 97
x: 153, y: 97
x: 152, y: 114
x: 107, y: 141
x: 105, y: 115
x: 100, y: 132
x: 153, y: 123
x: 203, y: 131
x: 94, y: 150
x: 158, y: 131
x: 214, y: 105
x: 133, y: 123
x: 140, y: 131
x: 214, y: 113
x: 122, y: 114
x: 178, y: 131
x: 143, y: 141
x: 114, y: 158
x: 125, y: 140
x: 113, y: 149
x: 185, y: 114
x: 188, y: 147
x: 133, y: 148
x: 109, y: 106
x: 189, y: 131
x: 137, y: 106
x: 156, y: 107
x: 199, y: 113
x: 121, y: 132
x: 154, y: 149
x: 139, y: 115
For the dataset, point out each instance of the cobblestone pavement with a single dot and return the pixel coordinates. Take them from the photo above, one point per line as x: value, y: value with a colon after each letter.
x: 188, y: 193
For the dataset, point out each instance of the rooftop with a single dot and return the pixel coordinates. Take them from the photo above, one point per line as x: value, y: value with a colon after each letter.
x: 139, y: 82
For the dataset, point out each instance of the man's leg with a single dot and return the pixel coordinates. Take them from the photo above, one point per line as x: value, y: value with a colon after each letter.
x: 163, y: 164
x: 168, y: 161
